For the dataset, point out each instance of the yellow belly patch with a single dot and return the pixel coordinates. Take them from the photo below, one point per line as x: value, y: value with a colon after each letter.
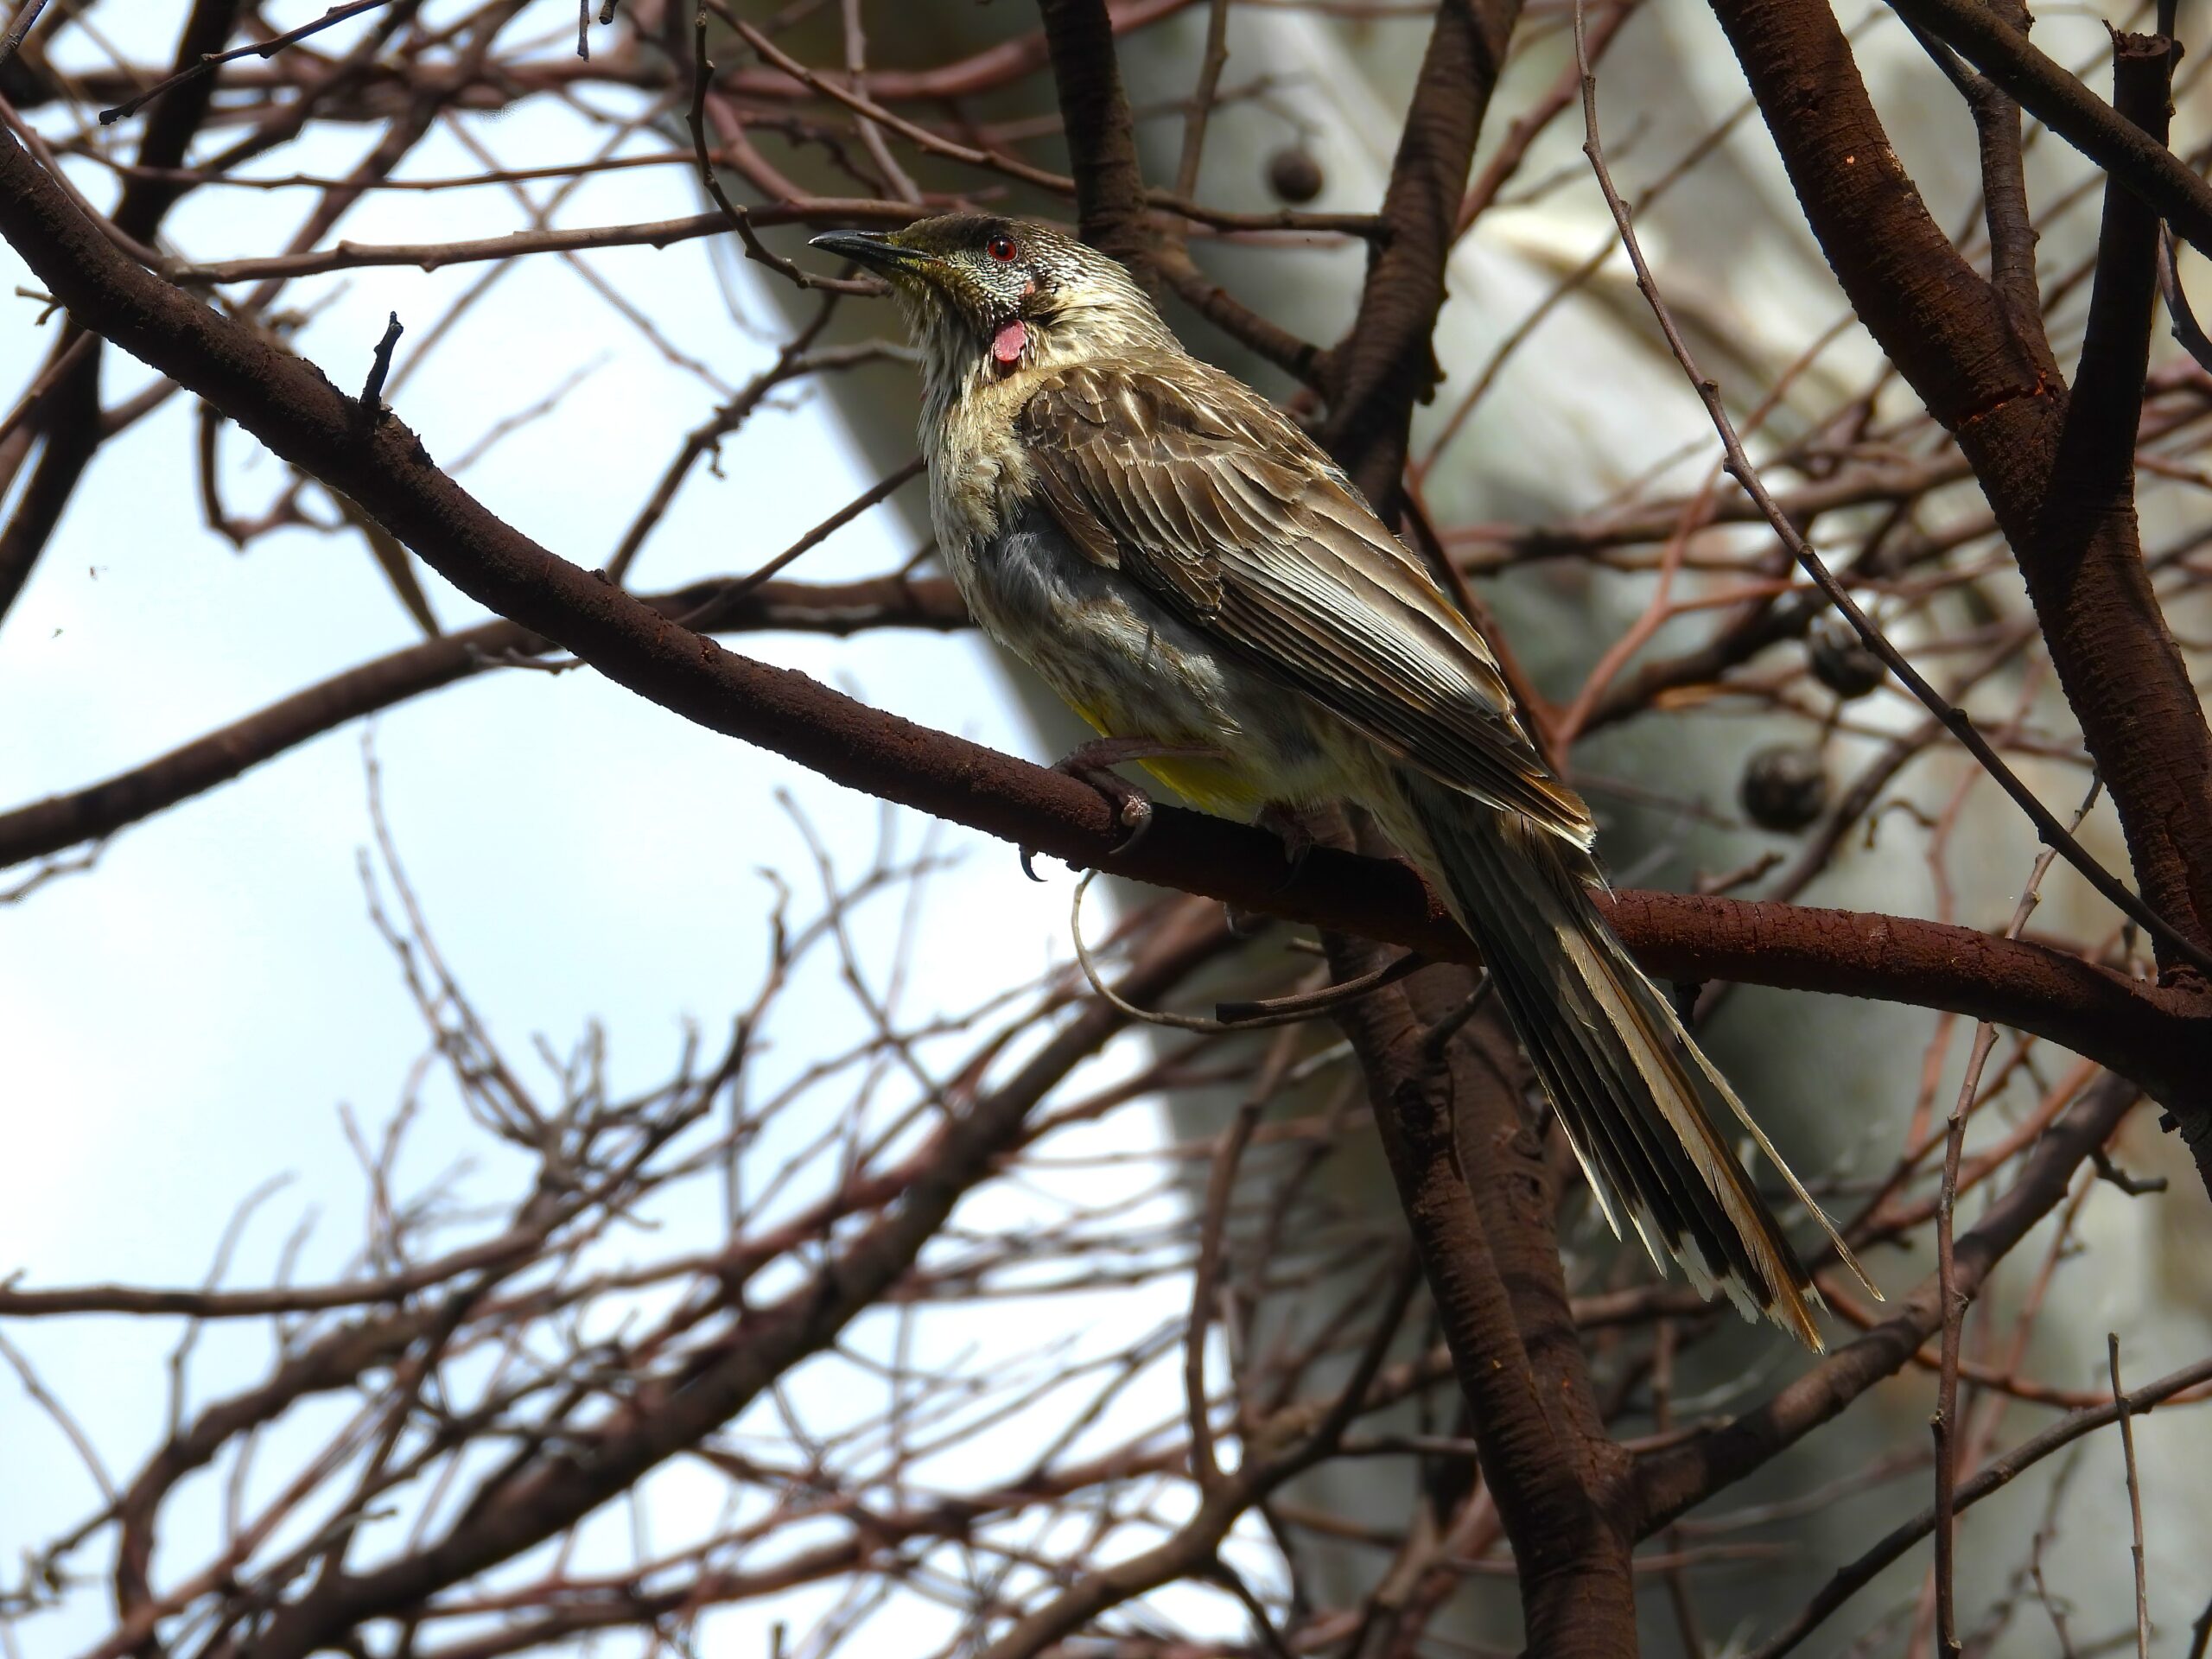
x: 1219, y: 786
x: 1211, y: 785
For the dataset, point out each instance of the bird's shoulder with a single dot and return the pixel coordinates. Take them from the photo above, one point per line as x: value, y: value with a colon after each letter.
x: 1162, y: 410
x: 1176, y: 465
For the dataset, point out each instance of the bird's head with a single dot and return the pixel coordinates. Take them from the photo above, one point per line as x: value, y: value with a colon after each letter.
x: 988, y: 296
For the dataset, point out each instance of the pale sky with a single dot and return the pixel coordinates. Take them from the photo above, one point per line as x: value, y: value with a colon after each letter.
x: 183, y: 1024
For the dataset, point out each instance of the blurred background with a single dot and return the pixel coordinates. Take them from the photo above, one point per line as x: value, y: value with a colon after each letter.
x: 245, y: 1041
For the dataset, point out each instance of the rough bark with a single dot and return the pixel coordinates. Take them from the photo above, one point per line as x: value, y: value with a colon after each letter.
x: 1387, y: 363
x: 71, y: 414
x: 1482, y: 1224
x: 1101, y: 139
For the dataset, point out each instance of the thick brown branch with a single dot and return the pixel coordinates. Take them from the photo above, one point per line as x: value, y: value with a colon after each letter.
x: 2108, y: 636
x: 1109, y: 197
x: 1491, y: 1259
x: 1387, y: 363
x: 2004, y: 191
x: 1939, y: 321
x: 1852, y: 953
x: 2133, y: 154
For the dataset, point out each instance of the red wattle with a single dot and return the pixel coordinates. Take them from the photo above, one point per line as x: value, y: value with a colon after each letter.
x: 1007, y: 344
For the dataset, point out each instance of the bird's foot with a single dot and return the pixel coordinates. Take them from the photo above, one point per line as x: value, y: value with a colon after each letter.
x: 1297, y: 839
x: 1093, y: 763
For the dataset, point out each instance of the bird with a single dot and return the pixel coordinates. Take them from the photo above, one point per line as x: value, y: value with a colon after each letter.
x: 1197, y: 579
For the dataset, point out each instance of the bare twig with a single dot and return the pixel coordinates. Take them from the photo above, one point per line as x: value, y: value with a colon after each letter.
x: 27, y: 15
x: 1944, y: 1424
x: 371, y: 399
x: 211, y: 61
x: 2057, y: 98
x: 1202, y: 98
x: 2180, y: 316
x: 738, y: 219
x: 1994, y: 1477
x: 2123, y: 1412
x: 1205, y: 1281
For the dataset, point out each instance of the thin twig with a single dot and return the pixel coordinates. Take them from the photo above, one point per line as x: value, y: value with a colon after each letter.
x: 1221, y: 1185
x: 894, y: 176
x: 874, y: 495
x: 211, y: 61
x: 71, y: 354
x: 1944, y: 1424
x: 1236, y: 1016
x: 1202, y: 98
x: 921, y: 137
x: 2180, y: 317
x: 2055, y: 96
x: 380, y: 366
x: 71, y: 1430
x: 1993, y: 1477
x: 2134, y: 1497
x: 703, y: 73
x: 26, y: 20
x: 1302, y: 1005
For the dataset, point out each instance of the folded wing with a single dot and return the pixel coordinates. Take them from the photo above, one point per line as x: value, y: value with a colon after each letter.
x: 1194, y: 485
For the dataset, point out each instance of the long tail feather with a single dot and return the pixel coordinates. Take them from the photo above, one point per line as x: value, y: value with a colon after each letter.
x: 1637, y: 1100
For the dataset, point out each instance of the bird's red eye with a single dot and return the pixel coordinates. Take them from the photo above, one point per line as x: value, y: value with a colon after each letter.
x: 1000, y: 248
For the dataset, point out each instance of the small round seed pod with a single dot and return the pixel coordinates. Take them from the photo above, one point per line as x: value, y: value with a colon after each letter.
x: 1294, y: 176
x: 1839, y: 658
x: 1784, y: 787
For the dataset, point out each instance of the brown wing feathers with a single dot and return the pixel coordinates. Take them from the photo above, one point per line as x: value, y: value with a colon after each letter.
x: 1212, y: 500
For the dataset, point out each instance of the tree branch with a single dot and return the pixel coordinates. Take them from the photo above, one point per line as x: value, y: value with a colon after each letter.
x: 504, y: 1519
x: 1109, y: 198
x: 98, y: 810
x: 2158, y: 1036
x: 1489, y: 1252
x: 1387, y: 363
x: 2133, y: 154
x: 2115, y: 652
x: 71, y: 414
x: 1993, y: 1477
x: 1682, y: 1476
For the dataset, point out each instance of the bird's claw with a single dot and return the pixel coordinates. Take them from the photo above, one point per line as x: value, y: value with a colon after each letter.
x: 1094, y: 764
x: 1131, y: 806
x: 1246, y: 924
x: 1298, y: 841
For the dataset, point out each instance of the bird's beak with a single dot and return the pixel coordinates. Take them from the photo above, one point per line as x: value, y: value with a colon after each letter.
x: 874, y: 249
